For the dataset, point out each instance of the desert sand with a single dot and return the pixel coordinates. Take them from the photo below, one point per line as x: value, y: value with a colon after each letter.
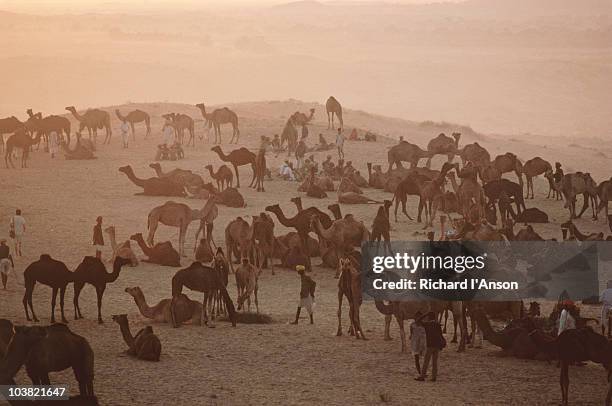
x: 275, y: 363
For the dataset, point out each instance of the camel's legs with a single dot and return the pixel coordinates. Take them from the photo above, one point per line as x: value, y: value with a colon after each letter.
x: 256, y: 300
x: 133, y: 132
x: 152, y: 230
x: 77, y: 292
x: 237, y: 175
x: 62, y: 295
x: 100, y: 294
x: 387, y: 327
x: 27, y: 294
x: 356, y: 321
x: 400, y: 322
x: 564, y: 381
x: 339, y: 332
x: 53, y: 299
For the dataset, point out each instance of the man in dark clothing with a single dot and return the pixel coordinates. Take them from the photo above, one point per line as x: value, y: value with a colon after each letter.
x: 307, y: 290
x: 6, y: 262
x: 98, y: 238
x: 435, y: 344
x: 300, y: 152
x: 558, y: 176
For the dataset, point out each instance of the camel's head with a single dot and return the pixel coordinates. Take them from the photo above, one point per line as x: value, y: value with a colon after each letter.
x: 216, y: 149
x: 125, y: 169
x: 273, y: 208
x: 136, y: 237
x: 134, y: 292
x: 70, y: 109
x: 120, y: 318
x: 296, y: 200
x: 110, y: 230
x: 155, y: 165
x: 201, y: 106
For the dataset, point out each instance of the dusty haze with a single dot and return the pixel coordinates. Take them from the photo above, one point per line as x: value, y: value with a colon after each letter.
x: 500, y: 66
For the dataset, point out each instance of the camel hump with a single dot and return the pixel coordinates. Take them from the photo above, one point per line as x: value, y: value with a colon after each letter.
x: 45, y: 257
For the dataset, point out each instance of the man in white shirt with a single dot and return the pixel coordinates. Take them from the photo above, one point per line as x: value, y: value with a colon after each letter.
x: 18, y: 228
x: 340, y: 143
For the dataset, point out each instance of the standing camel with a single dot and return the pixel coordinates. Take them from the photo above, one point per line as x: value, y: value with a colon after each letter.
x: 136, y: 116
x: 349, y: 285
x: 381, y: 227
x: 22, y: 140
x: 93, y: 120
x: 579, y: 183
x: 52, y: 273
x: 509, y: 162
x: 260, y: 165
x: 238, y: 157
x: 444, y: 145
x: 180, y: 123
x: 91, y: 270
x: 9, y: 125
x: 333, y: 106
x: 407, y: 152
x: 238, y: 240
x: 534, y: 167
x: 180, y: 215
x: 221, y: 116
x: 59, y: 124
x: 223, y: 176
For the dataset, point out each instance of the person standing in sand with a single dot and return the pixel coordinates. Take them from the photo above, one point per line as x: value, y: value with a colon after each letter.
x: 418, y: 341
x: 17, y: 230
x: 125, y: 136
x: 98, y: 237
x: 435, y: 344
x: 6, y: 262
x: 307, y: 290
x: 340, y: 143
x: 53, y: 143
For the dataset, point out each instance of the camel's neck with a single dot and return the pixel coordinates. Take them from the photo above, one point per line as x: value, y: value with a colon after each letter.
x: 144, y: 308
x: 283, y: 220
x: 158, y: 171
x: 131, y: 176
x: 212, y: 173
x: 112, y: 277
x: 222, y: 155
x: 298, y: 204
x: 125, y: 332
x: 143, y: 246
x: 579, y: 236
x: 76, y: 115
x: 489, y: 334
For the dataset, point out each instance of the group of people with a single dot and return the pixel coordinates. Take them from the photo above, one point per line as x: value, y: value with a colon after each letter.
x: 170, y: 148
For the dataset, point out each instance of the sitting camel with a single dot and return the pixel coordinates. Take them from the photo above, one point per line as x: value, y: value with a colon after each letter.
x: 154, y: 186
x: 184, y: 309
x: 355, y: 198
x: 91, y: 270
x: 123, y: 251
x: 161, y: 253
x: 347, y: 185
x: 349, y: 285
x: 145, y: 345
x: 231, y: 197
x: 49, y: 349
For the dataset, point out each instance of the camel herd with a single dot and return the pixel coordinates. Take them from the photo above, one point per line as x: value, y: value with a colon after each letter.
x: 485, y: 206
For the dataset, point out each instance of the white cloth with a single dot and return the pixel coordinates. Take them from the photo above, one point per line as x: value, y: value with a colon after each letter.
x: 18, y: 223
x: 566, y: 321
x: 169, y: 135
x: 418, y: 339
x: 340, y: 139
x: 5, y: 266
x: 125, y: 132
x: 606, y: 305
x: 307, y: 302
x: 285, y: 170
x: 53, y: 142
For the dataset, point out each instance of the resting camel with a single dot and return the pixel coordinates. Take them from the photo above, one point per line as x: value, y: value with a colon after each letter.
x: 145, y: 345
x: 301, y: 223
x: 44, y: 126
x: 180, y: 123
x: 355, y: 198
x: 52, y: 273
x: 508, y: 162
x: 218, y: 117
x: 312, y: 189
x: 574, y: 184
x: 238, y: 157
x: 231, y: 197
x: 207, y: 280
x: 154, y: 186
x: 93, y: 119
x: 443, y: 145
x: 247, y: 278
x: 534, y: 167
x: 122, y: 251
x: 223, y: 176
x: 576, y: 345
x: 136, y: 116
x: 405, y: 151
x: 79, y: 153
x: 575, y: 234
x: 407, y: 310
x: 47, y: 349
x: 181, y: 177
x: 161, y: 253
x: 180, y: 215
x: 349, y: 285
x: 333, y: 106
x: 346, y: 185
x: 525, y: 234
x: 91, y: 270
x: 184, y: 309
x: 20, y: 139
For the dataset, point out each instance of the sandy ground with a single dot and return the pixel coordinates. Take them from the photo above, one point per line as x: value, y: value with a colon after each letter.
x: 255, y: 364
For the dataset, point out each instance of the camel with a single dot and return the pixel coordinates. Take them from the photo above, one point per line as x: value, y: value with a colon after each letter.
x: 346, y: 185
x: 238, y: 240
x: 231, y: 197
x: 207, y: 280
x: 161, y: 253
x: 154, y: 186
x: 79, y: 153
x: 343, y: 234
x: 300, y: 119
x: 93, y: 119
x: 260, y: 166
x: 247, y: 277
x: 183, y: 177
x: 52, y: 273
x: 475, y: 154
x: 263, y: 240
x: 532, y: 215
x: 180, y: 215
x: 122, y: 251
x: 301, y: 223
x: 333, y: 106
x: 238, y: 157
x: 494, y: 189
x: 532, y: 168
x: 575, y: 234
x: 44, y: 126
x: 409, y: 186
x: 289, y: 135
x: 604, y: 192
x: 312, y: 189
x: 358, y: 179
x: 180, y: 123
x: 408, y: 309
x: 20, y: 139
x: 6, y: 334
x: 429, y: 192
x: 145, y: 345
x: 469, y: 191
x: 91, y: 270
x: 9, y: 125
x: 349, y: 285
x: 47, y: 349
x: 443, y: 145
x: 508, y: 162
x: 218, y: 117
x: 554, y: 187
x: 576, y: 345
x: 223, y: 176
x: 136, y: 116
x: 574, y: 184
x: 405, y: 151
x: 184, y: 309
x: 525, y: 234
x: 355, y: 198
x: 381, y: 226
